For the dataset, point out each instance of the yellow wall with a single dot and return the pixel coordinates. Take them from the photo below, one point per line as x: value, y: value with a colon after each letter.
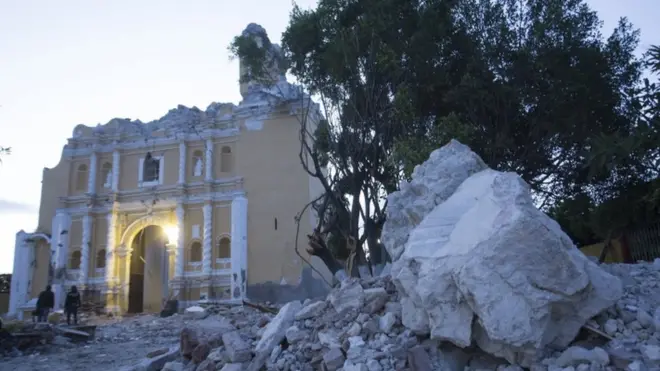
x: 614, y: 255
x: 262, y: 163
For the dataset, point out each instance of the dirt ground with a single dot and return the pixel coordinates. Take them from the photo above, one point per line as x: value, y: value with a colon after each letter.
x: 117, y: 343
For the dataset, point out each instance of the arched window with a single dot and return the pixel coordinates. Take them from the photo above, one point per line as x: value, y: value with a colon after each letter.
x: 195, y: 252
x: 100, y: 259
x: 81, y: 177
x: 74, y: 260
x: 106, y: 173
x: 198, y: 163
x: 226, y: 160
x: 224, y: 248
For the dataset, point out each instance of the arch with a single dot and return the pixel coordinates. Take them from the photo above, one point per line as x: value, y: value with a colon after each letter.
x: 75, y: 259
x: 100, y: 259
x: 39, y: 235
x: 81, y: 177
x: 159, y: 220
x: 223, y: 247
x: 195, y: 253
x: 226, y: 159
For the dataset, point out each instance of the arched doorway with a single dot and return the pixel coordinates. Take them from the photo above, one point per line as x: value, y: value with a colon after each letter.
x: 148, y: 271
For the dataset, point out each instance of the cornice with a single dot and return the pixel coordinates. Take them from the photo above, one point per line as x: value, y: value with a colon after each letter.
x: 163, y: 204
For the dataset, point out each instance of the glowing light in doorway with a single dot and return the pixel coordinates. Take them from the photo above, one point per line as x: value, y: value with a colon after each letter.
x: 172, y: 233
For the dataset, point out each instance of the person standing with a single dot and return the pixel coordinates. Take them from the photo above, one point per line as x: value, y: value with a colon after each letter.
x: 71, y: 305
x: 45, y: 303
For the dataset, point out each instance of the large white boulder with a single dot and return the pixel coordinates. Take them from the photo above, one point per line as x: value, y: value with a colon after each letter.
x: 432, y: 183
x: 486, y: 265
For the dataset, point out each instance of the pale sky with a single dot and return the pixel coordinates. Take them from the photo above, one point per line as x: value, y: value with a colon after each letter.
x: 64, y: 63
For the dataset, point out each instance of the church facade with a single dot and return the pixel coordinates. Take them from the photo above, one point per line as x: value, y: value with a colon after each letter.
x: 198, y: 205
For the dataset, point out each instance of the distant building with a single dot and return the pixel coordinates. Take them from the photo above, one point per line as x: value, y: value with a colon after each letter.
x: 198, y: 205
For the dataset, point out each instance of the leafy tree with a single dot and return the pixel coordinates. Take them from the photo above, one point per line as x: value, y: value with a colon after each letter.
x: 4, y: 151
x: 349, y: 67
x: 5, y: 282
x: 530, y: 85
x: 630, y: 194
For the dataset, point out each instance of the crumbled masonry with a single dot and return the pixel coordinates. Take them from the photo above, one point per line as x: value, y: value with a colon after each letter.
x: 480, y: 280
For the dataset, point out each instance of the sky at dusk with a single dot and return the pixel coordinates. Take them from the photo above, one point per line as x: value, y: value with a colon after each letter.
x: 64, y: 63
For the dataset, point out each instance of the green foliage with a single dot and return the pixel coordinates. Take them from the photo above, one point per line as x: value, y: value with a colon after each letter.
x: 5, y: 282
x: 4, y: 151
x: 532, y: 86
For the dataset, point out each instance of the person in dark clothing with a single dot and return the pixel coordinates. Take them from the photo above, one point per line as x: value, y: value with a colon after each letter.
x: 71, y: 305
x: 45, y: 303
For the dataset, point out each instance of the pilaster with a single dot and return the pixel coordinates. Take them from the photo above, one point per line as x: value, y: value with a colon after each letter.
x: 182, y: 162
x: 180, y: 244
x: 93, y: 164
x: 239, y: 209
x: 84, y: 248
x: 115, y: 170
x: 18, y: 290
x: 111, y: 247
x: 206, y: 252
x: 208, y: 176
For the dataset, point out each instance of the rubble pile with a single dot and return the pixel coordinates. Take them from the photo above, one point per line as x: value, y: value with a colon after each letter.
x: 480, y: 280
x: 475, y: 261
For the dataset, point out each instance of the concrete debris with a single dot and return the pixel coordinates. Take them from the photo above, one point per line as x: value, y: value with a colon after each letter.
x: 481, y: 280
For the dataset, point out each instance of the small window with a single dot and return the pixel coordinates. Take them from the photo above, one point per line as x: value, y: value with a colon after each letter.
x: 275, y: 223
x: 81, y: 177
x: 226, y: 160
x: 198, y: 163
x: 151, y: 170
x: 224, y: 248
x: 196, y: 252
x: 106, y: 172
x: 74, y: 260
x: 100, y: 259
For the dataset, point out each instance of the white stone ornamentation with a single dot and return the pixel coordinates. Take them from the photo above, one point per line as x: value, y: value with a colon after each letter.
x: 197, y: 171
x: 239, y: 207
x: 180, y: 256
x: 115, y: 170
x: 61, y: 226
x: 108, y: 179
x: 111, y: 246
x: 84, y: 248
x: 182, y: 162
x: 208, y: 238
x: 209, y: 160
x: 19, y: 288
x: 93, y: 164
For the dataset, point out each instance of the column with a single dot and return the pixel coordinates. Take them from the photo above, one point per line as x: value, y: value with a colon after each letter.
x: 84, y: 249
x: 208, y: 238
x: 209, y: 160
x: 115, y: 170
x: 91, y: 183
x: 18, y: 289
x: 62, y: 224
x: 180, y: 255
x: 111, y: 246
x: 239, y: 256
x: 182, y: 162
